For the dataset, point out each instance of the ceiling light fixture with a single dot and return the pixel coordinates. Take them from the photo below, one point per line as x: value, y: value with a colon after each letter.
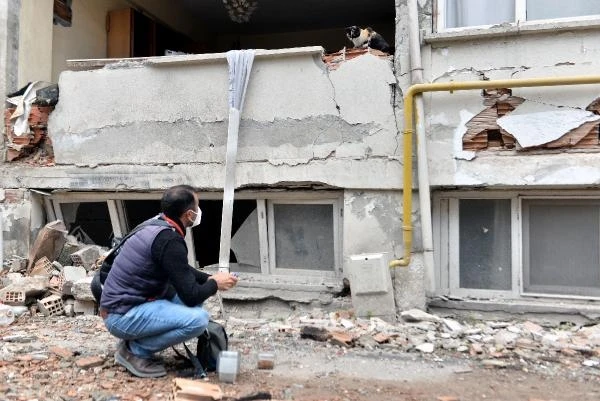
x: 240, y: 10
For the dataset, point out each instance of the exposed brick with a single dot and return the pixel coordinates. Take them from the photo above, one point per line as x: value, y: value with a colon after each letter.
x: 14, y: 195
x: 89, y: 362
x: 13, y: 297
x: 341, y: 338
x: 42, y: 267
x: 62, y: 352
x: 51, y: 306
x: 382, y: 338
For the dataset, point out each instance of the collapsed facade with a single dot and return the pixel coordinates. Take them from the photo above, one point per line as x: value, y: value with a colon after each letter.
x: 508, y: 213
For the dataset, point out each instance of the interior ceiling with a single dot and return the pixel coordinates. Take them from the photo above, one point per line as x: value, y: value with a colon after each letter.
x: 293, y: 16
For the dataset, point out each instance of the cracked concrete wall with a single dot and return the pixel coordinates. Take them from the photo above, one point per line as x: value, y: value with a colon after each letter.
x: 15, y: 212
x: 297, y: 114
x: 542, y: 54
x: 9, y: 50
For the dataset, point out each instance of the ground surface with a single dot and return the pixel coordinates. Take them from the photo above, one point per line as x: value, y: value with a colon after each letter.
x: 63, y: 358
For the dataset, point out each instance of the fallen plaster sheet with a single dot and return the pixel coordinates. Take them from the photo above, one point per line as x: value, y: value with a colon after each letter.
x: 534, y: 124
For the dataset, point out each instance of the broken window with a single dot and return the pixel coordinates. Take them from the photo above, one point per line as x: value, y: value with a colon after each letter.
x: 485, y: 247
x: 89, y: 222
x: 289, y: 236
x: 560, y: 247
x: 244, y: 255
x: 303, y: 236
x: 480, y: 13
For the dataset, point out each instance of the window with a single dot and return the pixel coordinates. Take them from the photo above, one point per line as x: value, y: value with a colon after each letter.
x: 295, y: 233
x: 511, y: 245
x: 302, y: 235
x: 561, y: 247
x: 454, y: 14
x: 484, y: 246
x: 88, y: 221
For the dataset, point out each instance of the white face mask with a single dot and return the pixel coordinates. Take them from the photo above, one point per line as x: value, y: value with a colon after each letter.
x: 198, y: 217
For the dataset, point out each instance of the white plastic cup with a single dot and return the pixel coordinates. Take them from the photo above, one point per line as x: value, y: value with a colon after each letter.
x: 228, y: 366
x: 7, y: 315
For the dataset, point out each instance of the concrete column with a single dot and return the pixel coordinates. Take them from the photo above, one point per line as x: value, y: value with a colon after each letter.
x: 35, y: 41
x: 9, y: 45
x: 408, y: 282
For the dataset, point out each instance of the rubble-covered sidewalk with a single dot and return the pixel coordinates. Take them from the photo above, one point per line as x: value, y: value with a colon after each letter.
x: 54, y: 347
x: 320, y: 356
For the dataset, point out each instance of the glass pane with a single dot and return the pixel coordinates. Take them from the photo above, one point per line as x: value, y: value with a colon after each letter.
x: 245, y: 249
x: 545, y: 9
x: 304, y: 236
x: 563, y: 247
x: 88, y: 221
x: 461, y: 13
x: 485, y: 250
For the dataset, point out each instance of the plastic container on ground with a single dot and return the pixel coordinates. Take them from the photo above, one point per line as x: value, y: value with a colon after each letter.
x: 266, y: 360
x: 228, y: 366
x: 7, y: 315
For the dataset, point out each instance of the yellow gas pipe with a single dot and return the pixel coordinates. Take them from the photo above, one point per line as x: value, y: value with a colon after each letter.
x: 451, y: 87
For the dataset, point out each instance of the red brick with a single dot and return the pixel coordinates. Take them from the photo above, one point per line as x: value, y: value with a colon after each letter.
x: 89, y: 362
x: 62, y: 352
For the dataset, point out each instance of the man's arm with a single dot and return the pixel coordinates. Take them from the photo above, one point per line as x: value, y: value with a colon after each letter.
x: 170, y: 253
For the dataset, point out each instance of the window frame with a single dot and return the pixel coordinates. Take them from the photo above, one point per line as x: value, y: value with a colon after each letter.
x: 337, y: 212
x: 446, y: 234
x: 520, y: 18
x: 452, y: 262
x: 567, y: 200
x: 264, y: 207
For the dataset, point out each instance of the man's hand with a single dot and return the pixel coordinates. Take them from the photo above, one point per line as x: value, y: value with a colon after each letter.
x: 224, y: 280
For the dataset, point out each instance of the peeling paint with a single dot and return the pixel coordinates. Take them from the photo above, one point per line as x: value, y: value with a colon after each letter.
x: 465, y: 116
x: 534, y: 124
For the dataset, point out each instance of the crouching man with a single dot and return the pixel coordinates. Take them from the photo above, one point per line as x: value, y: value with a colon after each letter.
x: 152, y: 299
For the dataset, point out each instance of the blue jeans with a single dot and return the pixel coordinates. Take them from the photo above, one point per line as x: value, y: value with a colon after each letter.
x: 156, y: 325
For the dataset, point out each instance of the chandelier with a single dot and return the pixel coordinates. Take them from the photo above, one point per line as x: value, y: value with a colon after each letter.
x: 240, y: 10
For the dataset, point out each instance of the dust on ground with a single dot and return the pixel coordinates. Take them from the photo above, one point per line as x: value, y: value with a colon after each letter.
x: 64, y: 359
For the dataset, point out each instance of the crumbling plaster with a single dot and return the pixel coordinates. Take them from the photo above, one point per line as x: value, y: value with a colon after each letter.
x: 21, y: 219
x: 547, y: 53
x: 296, y: 113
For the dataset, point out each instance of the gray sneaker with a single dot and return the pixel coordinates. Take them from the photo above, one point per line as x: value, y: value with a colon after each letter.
x: 139, y: 367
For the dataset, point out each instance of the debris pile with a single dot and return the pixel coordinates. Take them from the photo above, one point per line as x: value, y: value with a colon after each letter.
x: 55, y: 279
x: 26, y: 122
x: 494, y: 344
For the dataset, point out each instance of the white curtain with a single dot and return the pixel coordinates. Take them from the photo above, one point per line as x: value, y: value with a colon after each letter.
x: 546, y: 9
x: 240, y: 65
x: 461, y: 13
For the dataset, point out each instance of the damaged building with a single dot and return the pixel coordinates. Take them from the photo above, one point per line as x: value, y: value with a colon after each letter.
x: 504, y: 212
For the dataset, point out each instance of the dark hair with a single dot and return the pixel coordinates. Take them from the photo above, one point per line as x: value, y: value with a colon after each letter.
x: 176, y: 200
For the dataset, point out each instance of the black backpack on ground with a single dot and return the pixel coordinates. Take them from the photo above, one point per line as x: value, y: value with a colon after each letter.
x: 209, y: 346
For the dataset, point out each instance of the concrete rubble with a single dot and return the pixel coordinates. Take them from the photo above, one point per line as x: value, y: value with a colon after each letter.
x: 62, y: 358
x: 54, y: 302
x: 43, y: 284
